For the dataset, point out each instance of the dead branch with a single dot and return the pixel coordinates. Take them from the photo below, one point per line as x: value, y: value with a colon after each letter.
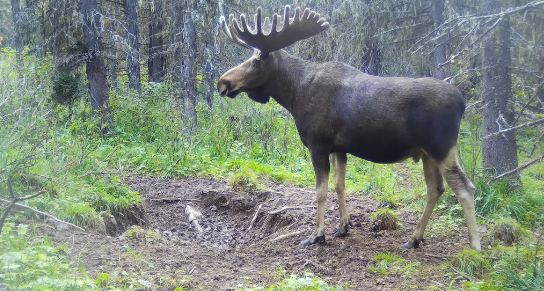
x: 500, y: 132
x: 41, y: 213
x: 437, y: 256
x: 518, y: 169
x: 254, y: 217
x: 286, y: 236
x: 14, y: 201
x: 193, y: 215
x: 290, y: 208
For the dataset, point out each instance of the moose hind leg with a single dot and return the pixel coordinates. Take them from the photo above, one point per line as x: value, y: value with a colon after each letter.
x: 339, y: 161
x: 464, y: 190
x: 435, y: 188
x: 321, y: 167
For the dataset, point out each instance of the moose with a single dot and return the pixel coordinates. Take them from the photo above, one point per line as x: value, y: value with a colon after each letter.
x: 339, y: 110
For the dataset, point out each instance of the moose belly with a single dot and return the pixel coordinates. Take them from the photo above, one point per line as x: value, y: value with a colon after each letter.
x: 383, y: 153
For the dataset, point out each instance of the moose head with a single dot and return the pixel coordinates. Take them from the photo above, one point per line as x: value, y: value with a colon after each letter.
x: 268, y: 37
x: 339, y: 110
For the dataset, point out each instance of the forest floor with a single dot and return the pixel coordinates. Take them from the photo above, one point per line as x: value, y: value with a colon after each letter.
x: 231, y: 254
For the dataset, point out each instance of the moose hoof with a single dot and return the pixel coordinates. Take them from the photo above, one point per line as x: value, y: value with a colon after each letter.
x: 343, y: 231
x: 412, y: 244
x: 314, y: 240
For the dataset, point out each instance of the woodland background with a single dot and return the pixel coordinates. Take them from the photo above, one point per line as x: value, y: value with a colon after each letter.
x: 92, y: 91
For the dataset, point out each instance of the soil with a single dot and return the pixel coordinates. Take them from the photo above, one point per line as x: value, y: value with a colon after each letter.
x: 228, y: 253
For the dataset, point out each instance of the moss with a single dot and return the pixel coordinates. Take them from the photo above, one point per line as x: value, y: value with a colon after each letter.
x: 384, y: 219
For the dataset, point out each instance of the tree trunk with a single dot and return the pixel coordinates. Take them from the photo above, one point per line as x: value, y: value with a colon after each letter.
x: 209, y: 75
x: 210, y: 28
x: 189, y: 66
x: 133, y: 57
x: 18, y: 41
x: 95, y: 68
x: 441, y: 45
x: 155, y: 63
x: 500, y: 151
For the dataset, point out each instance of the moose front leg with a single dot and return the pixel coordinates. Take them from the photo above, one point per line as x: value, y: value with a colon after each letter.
x: 321, y: 164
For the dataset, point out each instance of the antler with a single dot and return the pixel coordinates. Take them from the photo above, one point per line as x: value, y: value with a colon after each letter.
x: 271, y: 36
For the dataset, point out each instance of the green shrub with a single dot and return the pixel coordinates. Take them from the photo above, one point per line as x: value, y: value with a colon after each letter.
x: 384, y: 219
x: 245, y: 180
x: 29, y: 263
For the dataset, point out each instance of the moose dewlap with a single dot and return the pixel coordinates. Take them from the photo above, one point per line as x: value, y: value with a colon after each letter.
x: 339, y: 110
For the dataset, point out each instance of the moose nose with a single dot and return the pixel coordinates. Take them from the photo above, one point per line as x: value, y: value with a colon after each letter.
x: 223, y: 87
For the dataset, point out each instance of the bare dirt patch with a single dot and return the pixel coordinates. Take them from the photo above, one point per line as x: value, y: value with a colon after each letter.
x: 247, y: 236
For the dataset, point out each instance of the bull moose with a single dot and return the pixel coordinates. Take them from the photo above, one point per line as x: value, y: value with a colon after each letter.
x: 338, y: 110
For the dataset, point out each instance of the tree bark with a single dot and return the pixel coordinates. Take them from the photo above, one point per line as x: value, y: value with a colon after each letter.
x: 94, y: 65
x: 440, y: 50
x: 189, y: 66
x: 133, y: 56
x: 209, y: 75
x: 156, y: 60
x: 500, y: 151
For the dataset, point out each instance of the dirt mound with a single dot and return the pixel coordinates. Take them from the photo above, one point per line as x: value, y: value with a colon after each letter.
x: 246, y: 236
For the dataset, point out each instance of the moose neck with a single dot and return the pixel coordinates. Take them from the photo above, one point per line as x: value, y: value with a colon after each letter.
x: 290, y: 79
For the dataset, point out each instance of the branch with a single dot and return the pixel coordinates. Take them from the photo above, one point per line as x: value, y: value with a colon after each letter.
x: 287, y: 235
x: 514, y: 128
x: 518, y: 169
x: 43, y: 213
x: 289, y: 208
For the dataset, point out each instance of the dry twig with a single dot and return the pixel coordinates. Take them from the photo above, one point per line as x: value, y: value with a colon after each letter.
x: 290, y: 208
x: 286, y: 236
x: 254, y: 217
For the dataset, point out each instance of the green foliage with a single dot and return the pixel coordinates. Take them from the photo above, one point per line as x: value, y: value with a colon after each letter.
x: 30, y: 263
x: 387, y: 201
x: 245, y: 180
x: 307, y: 282
x: 386, y: 263
x: 495, y: 200
x: 66, y: 87
x: 502, y: 268
x: 471, y: 263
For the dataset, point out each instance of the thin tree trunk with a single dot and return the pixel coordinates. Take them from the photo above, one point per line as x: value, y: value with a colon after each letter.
x: 209, y: 75
x: 18, y: 41
x: 156, y: 60
x: 439, y: 54
x: 500, y: 151
x: 133, y: 57
x: 94, y: 66
x: 189, y: 67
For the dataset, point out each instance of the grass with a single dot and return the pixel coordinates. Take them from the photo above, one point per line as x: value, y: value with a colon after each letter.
x: 386, y: 264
